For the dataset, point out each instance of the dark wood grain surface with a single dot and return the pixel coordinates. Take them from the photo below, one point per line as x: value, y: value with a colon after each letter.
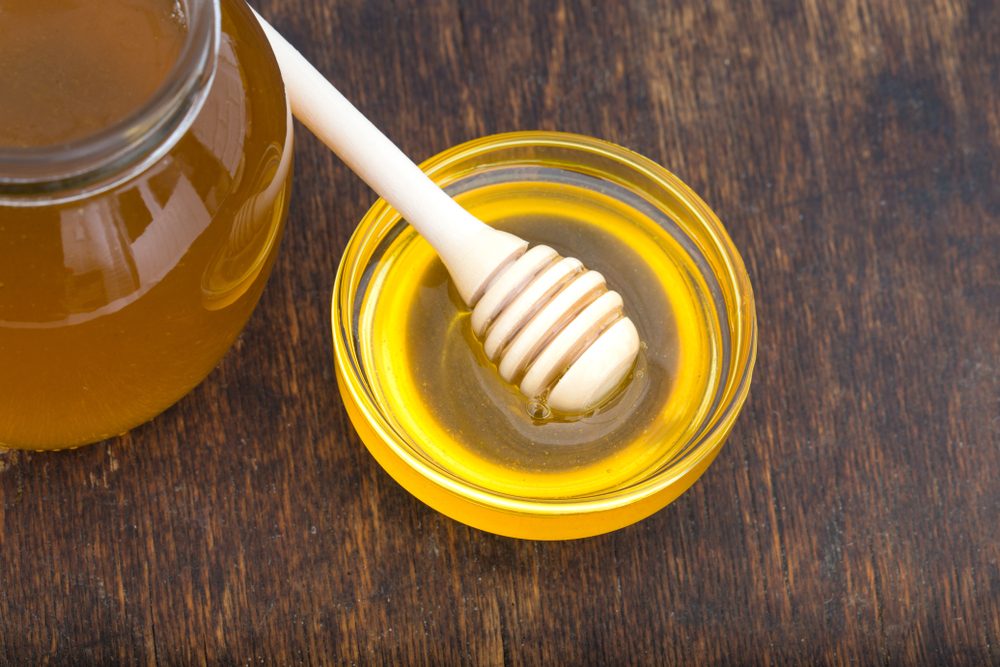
x: 852, y: 150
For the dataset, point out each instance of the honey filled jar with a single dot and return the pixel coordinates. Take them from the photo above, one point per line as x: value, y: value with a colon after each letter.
x: 145, y: 152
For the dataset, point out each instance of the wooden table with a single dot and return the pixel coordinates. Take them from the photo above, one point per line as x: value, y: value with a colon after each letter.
x: 851, y: 148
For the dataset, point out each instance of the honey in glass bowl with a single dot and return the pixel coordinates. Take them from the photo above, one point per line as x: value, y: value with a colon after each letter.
x: 145, y: 151
x: 434, y: 412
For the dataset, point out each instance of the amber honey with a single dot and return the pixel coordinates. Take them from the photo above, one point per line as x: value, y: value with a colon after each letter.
x: 113, y: 304
x: 69, y: 69
x: 433, y: 410
x: 442, y: 389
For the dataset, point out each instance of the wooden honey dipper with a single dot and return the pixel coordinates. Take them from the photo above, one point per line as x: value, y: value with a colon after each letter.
x: 552, y: 326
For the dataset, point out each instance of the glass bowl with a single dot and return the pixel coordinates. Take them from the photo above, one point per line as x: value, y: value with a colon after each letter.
x: 633, y: 183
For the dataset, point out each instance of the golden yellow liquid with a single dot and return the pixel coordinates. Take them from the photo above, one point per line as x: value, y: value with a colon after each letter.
x: 70, y: 68
x: 434, y: 379
x: 114, y: 306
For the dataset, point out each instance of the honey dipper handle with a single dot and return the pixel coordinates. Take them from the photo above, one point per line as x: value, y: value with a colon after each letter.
x: 472, y: 250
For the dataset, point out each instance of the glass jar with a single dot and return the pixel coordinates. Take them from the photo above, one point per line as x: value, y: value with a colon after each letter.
x: 131, y: 259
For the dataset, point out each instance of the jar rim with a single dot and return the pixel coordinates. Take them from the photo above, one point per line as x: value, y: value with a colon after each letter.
x: 706, y: 444
x: 97, y: 162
